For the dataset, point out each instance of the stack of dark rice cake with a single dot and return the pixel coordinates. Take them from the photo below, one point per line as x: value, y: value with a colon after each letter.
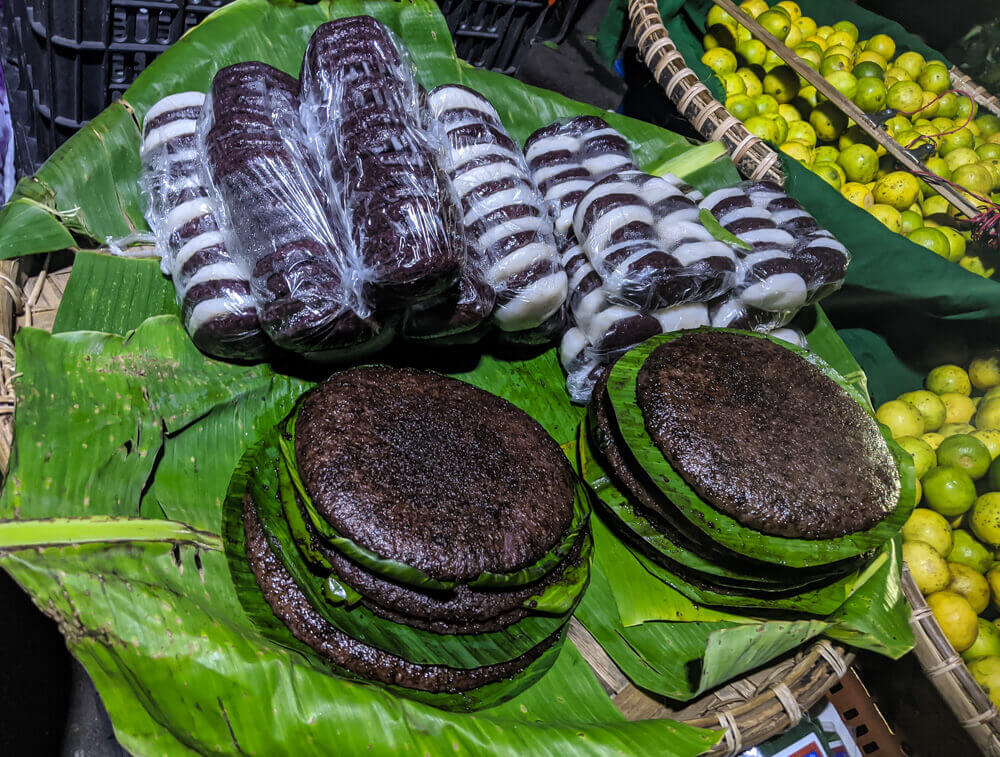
x: 471, y: 511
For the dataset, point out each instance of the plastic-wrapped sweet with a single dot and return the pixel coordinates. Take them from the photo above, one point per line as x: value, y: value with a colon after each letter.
x: 566, y: 159
x: 772, y: 280
x: 793, y: 336
x: 734, y: 210
x: 730, y: 312
x: 505, y: 216
x: 642, y: 237
x: 283, y: 228
x: 826, y: 260
x: 459, y: 316
x: 362, y: 109
x: 213, y: 288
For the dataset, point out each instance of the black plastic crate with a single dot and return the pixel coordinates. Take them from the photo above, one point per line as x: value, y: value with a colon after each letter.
x: 495, y: 34
x: 80, y: 55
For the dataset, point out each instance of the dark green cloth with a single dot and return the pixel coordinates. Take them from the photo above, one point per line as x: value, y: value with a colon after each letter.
x: 896, y: 293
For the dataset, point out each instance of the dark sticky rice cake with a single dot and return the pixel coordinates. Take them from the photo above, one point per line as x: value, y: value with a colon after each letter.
x: 765, y: 437
x: 432, y: 472
x: 293, y: 608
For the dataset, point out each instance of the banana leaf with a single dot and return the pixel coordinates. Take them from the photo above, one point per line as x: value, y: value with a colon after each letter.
x: 725, y: 529
x: 407, y: 574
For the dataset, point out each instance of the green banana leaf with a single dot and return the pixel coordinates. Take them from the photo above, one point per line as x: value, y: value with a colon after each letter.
x: 724, y: 529
x: 888, y: 273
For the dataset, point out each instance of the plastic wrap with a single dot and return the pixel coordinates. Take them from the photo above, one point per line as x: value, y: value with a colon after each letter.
x: 567, y: 158
x: 505, y: 217
x: 643, y: 237
x: 363, y: 111
x: 285, y: 228
x: 213, y: 288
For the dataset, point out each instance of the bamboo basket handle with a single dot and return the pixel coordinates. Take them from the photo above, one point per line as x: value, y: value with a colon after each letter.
x: 710, y: 118
x: 979, y: 93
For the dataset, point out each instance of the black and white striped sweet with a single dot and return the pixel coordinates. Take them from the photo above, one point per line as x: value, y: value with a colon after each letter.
x: 213, y: 290
x: 773, y: 281
x: 505, y: 216
x: 642, y: 236
x: 282, y: 226
x: 363, y: 107
x: 567, y: 158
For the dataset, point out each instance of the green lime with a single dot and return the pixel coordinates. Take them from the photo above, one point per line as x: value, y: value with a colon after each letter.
x: 961, y: 138
x: 831, y: 173
x: 910, y: 220
x: 782, y: 83
x: 957, y: 242
x: 763, y: 128
x: 966, y: 452
x: 987, y: 643
x: 751, y: 51
x: 870, y: 95
x: 988, y: 124
x: 934, y: 79
x: 765, y: 104
x: 988, y: 151
x: 948, y: 105
x: 898, y: 188
x: 776, y: 22
x: 832, y: 63
x: 905, y: 96
x: 966, y: 107
x: 847, y: 27
x: 924, y: 457
x: 802, y: 131
x: 720, y: 60
x: 844, y: 82
x: 932, y: 239
x: 868, y: 70
x: 741, y: 106
x: 826, y: 154
x: 882, y: 44
x: 855, y: 135
x: 949, y: 378
x: 859, y: 163
x: 967, y: 551
x: 828, y: 121
x: 948, y: 489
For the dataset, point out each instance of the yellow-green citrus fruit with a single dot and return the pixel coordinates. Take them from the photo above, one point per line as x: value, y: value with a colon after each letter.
x: 775, y: 22
x: 910, y: 220
x: 934, y: 79
x: 899, y: 189
x: 956, y: 617
x: 949, y: 490
x: 970, y: 584
x: 966, y: 452
x: 802, y: 131
x: 911, y: 62
x: 720, y: 60
x: 929, y: 569
x: 933, y: 439
x: 924, y: 457
x: 905, y: 96
x: 948, y: 378
x: 797, y: 150
x: 984, y: 370
x: 950, y: 429
x: 752, y: 51
x: 882, y: 44
x: 831, y: 173
x: 929, y: 527
x: 859, y: 163
x: 888, y: 216
x: 857, y: 194
x: 901, y: 418
x: 932, y: 239
x: 987, y: 643
x: 988, y: 415
x: 929, y: 405
x: 956, y: 241
x: 966, y: 550
x: 870, y: 94
x: 985, y: 518
x: 990, y: 438
x: 986, y: 671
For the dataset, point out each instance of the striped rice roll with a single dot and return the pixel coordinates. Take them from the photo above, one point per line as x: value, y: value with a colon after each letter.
x: 213, y: 289
x: 640, y: 235
x: 567, y: 158
x: 505, y: 215
x: 772, y: 280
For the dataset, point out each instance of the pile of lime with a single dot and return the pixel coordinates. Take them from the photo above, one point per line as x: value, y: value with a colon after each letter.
x: 951, y: 542
x: 777, y: 105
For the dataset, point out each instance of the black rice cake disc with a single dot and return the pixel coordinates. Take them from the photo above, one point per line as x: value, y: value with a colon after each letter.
x: 765, y: 437
x: 432, y: 472
x: 293, y: 609
x: 459, y: 611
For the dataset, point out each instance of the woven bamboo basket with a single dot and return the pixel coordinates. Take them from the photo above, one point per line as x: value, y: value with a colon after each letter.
x: 748, y: 711
x: 753, y: 157
x: 756, y: 160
